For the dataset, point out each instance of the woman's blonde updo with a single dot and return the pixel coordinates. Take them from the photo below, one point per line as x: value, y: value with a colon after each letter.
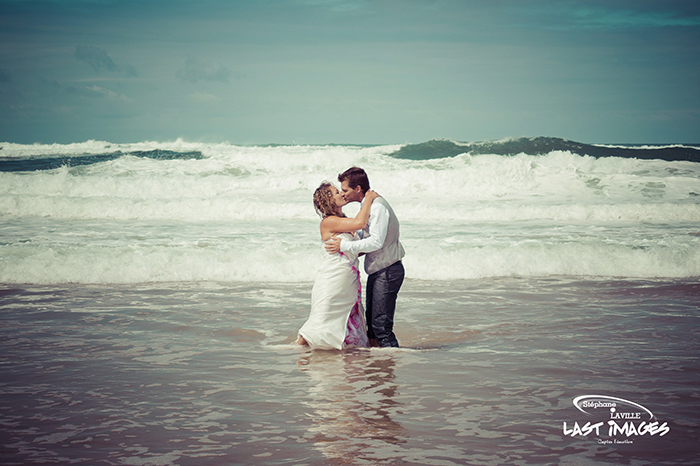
x: 323, y: 201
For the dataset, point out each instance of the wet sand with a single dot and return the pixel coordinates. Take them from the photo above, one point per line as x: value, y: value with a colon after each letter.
x: 204, y: 374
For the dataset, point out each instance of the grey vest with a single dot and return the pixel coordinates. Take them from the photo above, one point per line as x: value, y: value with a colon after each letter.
x: 391, y: 251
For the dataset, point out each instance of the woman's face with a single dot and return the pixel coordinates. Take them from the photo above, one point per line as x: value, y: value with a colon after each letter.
x: 338, y: 197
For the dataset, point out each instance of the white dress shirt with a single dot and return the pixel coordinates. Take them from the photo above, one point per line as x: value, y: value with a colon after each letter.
x: 380, y: 240
x: 372, y: 238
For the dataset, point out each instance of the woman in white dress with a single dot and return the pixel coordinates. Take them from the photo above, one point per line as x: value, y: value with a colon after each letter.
x: 337, y: 317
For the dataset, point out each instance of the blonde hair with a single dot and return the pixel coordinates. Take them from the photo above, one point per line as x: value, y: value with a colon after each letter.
x: 323, y: 201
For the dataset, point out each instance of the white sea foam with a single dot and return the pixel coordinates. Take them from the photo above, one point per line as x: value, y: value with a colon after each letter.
x: 242, y: 213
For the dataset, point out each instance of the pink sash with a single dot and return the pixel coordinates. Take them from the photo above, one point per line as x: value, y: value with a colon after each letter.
x: 355, y: 331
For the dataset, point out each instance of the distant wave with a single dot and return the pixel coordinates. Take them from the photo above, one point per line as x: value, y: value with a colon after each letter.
x: 49, y: 162
x: 38, y: 157
x: 442, y: 148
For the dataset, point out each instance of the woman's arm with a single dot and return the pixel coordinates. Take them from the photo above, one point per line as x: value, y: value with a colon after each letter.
x: 342, y: 224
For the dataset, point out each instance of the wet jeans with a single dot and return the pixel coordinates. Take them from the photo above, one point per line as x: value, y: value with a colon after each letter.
x: 382, y: 289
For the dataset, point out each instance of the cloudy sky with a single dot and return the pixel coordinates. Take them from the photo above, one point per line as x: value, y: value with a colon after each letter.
x: 349, y: 71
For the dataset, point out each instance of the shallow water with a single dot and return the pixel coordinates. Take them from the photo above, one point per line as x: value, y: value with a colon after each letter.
x: 204, y: 373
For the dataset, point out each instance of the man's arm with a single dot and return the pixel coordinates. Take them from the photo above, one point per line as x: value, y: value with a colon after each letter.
x: 378, y: 225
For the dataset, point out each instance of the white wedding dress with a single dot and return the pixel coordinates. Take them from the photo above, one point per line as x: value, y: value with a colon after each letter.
x: 337, y: 318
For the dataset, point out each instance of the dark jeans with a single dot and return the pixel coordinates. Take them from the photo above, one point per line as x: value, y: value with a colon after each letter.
x: 382, y: 289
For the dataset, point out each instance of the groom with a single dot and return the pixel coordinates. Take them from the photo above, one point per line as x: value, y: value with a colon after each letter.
x: 380, y: 241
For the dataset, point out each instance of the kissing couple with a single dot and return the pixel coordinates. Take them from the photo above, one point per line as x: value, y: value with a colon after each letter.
x: 337, y: 319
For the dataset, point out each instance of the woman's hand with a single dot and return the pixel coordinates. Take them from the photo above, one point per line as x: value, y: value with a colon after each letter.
x: 371, y: 195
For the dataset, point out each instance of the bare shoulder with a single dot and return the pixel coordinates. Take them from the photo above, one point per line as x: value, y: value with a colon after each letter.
x: 329, y: 222
x: 328, y: 226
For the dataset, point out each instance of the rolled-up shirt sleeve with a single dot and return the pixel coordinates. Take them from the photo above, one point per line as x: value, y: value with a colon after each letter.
x: 378, y: 226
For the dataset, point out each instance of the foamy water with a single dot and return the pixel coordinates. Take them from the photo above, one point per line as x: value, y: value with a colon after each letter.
x: 145, y: 212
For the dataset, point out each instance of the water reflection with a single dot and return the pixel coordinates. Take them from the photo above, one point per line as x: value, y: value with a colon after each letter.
x: 353, y: 401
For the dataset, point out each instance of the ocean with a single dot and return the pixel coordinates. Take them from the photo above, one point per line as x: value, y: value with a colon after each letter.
x: 149, y: 293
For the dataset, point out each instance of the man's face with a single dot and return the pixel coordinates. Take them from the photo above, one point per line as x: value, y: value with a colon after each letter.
x: 351, y: 195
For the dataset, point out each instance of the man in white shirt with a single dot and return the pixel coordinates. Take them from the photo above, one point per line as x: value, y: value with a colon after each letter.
x: 380, y: 242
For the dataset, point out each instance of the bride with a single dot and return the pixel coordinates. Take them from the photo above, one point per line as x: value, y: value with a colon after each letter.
x: 337, y: 318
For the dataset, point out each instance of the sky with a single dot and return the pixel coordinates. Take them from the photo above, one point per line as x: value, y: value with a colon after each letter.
x: 349, y: 71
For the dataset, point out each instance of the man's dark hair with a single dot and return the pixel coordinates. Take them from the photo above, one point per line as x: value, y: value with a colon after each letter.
x: 355, y: 177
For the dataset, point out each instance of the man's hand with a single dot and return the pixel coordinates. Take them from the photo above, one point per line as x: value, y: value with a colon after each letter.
x: 333, y: 245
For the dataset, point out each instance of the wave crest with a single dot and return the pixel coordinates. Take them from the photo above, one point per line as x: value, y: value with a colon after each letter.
x: 442, y: 148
